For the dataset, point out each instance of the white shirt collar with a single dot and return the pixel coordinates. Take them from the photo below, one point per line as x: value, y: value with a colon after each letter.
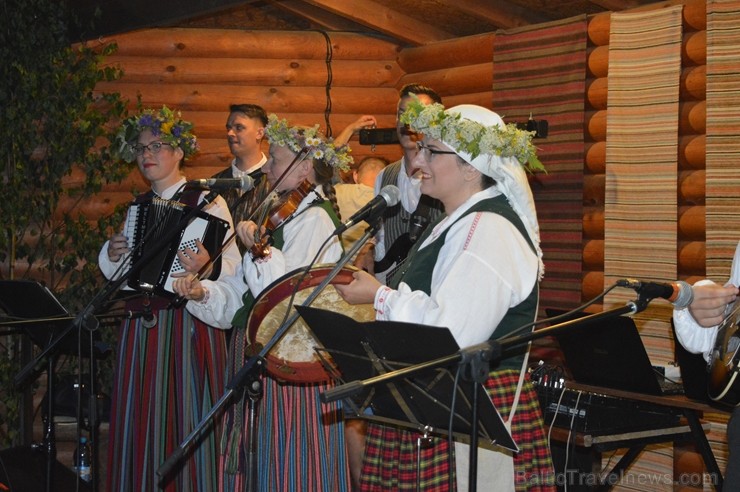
x: 238, y: 173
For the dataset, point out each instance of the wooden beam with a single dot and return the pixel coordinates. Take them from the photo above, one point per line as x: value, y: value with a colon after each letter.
x: 383, y: 19
x: 617, y: 5
x: 324, y: 18
x: 504, y: 15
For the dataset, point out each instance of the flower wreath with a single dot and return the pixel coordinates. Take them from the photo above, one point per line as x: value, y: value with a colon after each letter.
x: 471, y: 137
x: 279, y: 132
x: 165, y: 124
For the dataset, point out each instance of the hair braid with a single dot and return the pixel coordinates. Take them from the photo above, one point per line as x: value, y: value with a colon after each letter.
x: 324, y: 176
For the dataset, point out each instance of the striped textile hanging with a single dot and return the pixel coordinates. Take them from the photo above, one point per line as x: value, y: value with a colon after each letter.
x: 641, y: 204
x: 541, y: 70
x: 723, y: 137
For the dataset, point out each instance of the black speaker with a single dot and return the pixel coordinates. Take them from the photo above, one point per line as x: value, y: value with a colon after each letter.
x: 23, y: 469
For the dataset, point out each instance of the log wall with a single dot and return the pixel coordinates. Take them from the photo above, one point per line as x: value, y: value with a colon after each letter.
x: 202, y: 71
x: 691, y: 151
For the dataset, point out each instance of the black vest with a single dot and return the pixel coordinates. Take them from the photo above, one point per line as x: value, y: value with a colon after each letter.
x: 417, y: 274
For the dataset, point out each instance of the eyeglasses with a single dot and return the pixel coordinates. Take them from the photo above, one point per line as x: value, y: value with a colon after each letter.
x: 153, y: 147
x: 427, y: 152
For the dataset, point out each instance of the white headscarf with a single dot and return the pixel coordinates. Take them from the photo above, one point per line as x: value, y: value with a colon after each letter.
x: 511, y: 179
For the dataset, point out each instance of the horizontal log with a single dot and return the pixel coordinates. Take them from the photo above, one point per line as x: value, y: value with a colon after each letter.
x: 692, y: 117
x: 597, y: 91
x: 468, y: 50
x: 593, y: 254
x: 593, y: 222
x: 691, y: 223
x: 692, y: 257
x: 212, y: 124
x: 598, y: 29
x: 594, y: 187
x: 597, y: 61
x: 692, y: 187
x: 595, y: 125
x: 595, y: 157
x: 233, y: 43
x: 694, y: 48
x: 592, y: 285
x: 694, y: 14
x: 102, y: 205
x: 484, y: 99
x: 455, y: 80
x: 693, y: 83
x: 256, y: 71
x: 692, y: 151
x: 197, y: 97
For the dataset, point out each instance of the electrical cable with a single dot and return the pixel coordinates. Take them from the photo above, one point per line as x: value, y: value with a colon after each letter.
x: 329, y: 81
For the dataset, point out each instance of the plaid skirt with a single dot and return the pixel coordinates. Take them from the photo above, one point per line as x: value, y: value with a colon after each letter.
x: 390, y: 462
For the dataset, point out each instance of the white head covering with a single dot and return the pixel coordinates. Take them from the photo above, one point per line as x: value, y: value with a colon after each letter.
x: 511, y: 179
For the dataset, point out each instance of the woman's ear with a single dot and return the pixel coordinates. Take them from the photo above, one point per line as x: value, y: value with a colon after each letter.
x: 179, y: 154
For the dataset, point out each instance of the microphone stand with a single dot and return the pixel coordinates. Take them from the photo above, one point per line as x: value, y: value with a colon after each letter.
x: 86, y: 319
x: 251, y: 372
x: 476, y: 360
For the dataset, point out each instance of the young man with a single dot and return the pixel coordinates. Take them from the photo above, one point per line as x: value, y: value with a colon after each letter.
x: 403, y: 223
x: 245, y: 129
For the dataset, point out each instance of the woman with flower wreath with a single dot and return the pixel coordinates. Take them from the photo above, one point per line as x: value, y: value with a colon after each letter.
x: 475, y: 271
x: 168, y: 376
x: 300, y: 440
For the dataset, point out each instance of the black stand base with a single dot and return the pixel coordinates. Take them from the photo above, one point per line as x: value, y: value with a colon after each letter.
x: 24, y: 469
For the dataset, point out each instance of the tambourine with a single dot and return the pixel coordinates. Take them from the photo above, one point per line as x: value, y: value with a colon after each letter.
x: 293, y: 358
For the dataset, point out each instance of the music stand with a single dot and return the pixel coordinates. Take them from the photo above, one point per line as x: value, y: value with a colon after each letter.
x: 33, y: 307
x: 422, y: 401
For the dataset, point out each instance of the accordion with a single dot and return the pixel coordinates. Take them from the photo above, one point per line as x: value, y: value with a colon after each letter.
x: 148, y: 223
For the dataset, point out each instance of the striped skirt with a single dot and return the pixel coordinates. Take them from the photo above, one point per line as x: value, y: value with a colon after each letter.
x: 167, y: 379
x: 391, y: 464
x: 300, y: 442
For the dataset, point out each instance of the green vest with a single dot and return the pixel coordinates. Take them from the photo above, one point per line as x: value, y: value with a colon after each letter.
x: 240, y: 318
x: 417, y: 274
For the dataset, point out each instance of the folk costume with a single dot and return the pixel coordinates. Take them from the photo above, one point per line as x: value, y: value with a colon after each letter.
x: 476, y: 272
x: 300, y: 440
x: 166, y: 380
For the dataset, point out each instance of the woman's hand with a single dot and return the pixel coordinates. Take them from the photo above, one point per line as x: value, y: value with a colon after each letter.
x: 189, y: 287
x: 246, y: 231
x: 117, y: 247
x: 192, y: 260
x: 361, y: 290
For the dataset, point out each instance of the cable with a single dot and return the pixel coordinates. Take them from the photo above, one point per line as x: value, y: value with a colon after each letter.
x: 567, y: 441
x: 329, y: 81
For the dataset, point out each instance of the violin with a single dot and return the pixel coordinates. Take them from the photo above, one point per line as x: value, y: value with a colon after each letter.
x: 275, y: 214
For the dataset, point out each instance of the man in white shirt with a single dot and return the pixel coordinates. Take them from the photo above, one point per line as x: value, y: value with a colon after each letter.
x: 245, y: 129
x: 696, y: 329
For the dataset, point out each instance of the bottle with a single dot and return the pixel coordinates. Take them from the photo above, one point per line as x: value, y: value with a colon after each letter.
x: 83, y: 460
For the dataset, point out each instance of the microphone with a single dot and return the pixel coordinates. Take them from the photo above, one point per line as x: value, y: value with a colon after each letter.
x: 245, y: 183
x: 679, y: 293
x: 389, y: 196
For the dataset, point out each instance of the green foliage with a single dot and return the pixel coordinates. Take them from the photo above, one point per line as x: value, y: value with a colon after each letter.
x: 55, y: 132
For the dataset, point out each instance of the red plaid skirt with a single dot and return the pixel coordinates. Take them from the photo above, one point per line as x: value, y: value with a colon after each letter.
x: 391, y: 464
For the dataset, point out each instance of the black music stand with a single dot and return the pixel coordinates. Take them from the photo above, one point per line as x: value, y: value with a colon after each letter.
x: 422, y: 401
x: 33, y: 308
